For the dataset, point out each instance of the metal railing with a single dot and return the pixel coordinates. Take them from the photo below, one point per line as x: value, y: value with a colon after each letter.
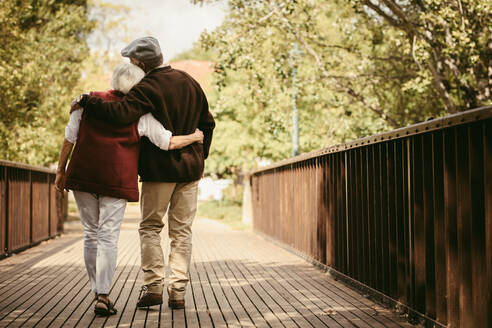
x: 28, y: 211
x: 406, y: 215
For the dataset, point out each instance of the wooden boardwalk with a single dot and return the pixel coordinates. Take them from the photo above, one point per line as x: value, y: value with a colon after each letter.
x: 237, y: 279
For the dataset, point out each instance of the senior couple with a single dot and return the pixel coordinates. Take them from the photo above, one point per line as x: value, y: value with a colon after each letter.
x: 154, y: 122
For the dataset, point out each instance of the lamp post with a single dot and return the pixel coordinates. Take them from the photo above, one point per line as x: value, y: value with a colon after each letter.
x: 294, y: 54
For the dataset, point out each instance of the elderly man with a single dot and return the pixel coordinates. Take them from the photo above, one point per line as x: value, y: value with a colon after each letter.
x: 170, y: 179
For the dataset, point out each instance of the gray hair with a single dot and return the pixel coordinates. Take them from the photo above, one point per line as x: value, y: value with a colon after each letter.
x: 125, y: 76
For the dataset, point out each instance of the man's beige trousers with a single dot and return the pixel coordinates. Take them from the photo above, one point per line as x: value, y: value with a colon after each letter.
x: 182, y: 201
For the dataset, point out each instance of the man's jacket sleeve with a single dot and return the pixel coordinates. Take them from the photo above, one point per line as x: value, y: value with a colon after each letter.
x: 207, y: 125
x: 135, y: 104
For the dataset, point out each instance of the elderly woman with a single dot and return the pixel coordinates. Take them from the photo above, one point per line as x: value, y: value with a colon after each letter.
x: 103, y: 176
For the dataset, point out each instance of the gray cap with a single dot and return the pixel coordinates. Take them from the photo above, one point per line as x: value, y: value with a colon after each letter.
x: 145, y: 49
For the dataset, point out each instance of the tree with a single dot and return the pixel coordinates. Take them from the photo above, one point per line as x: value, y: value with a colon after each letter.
x: 43, y: 45
x: 358, y: 74
x: 450, y: 43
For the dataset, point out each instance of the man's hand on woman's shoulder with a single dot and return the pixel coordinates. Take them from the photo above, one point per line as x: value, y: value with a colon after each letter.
x: 76, y: 103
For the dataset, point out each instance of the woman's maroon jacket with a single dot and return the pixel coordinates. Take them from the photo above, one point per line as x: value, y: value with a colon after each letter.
x: 105, y: 158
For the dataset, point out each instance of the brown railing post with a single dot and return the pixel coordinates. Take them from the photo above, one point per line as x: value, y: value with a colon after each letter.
x: 3, y: 212
x: 405, y: 216
x: 27, y: 197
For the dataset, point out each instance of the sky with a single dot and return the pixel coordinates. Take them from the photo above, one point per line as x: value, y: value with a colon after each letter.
x: 177, y: 24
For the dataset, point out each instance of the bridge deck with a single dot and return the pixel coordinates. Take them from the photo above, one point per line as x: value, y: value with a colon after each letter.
x: 237, y: 279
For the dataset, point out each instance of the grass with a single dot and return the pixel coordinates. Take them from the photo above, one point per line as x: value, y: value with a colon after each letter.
x: 227, y: 212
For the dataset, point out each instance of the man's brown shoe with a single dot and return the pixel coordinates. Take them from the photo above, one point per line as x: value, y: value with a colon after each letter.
x: 176, y: 304
x: 149, y: 299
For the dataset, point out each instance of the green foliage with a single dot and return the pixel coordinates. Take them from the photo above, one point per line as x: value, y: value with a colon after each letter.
x: 43, y: 45
x: 227, y: 212
x: 233, y: 193
x: 363, y: 67
x: 449, y: 41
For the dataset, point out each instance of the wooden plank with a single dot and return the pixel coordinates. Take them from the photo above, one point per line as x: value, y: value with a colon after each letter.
x: 377, y: 222
x: 478, y: 227
x: 297, y: 291
x: 33, y: 262
x: 191, y: 313
x: 367, y: 311
x: 244, y: 279
x: 428, y: 223
x: 487, y: 136
x: 130, y: 307
x: 247, y: 276
x: 22, y: 301
x: 439, y: 229
x: 40, y: 206
x: 287, y: 313
x: 222, y: 301
x: 386, y: 258
x: 56, y: 226
x: 19, y: 209
x: 392, y: 219
x: 236, y: 284
x: 321, y: 215
x: 304, y: 305
x: 401, y: 224
x: 298, y: 280
x: 330, y: 215
x: 125, y: 302
x: 419, y: 245
x: 464, y: 227
x: 410, y: 218
x: 26, y: 280
x: 61, y: 308
x: 125, y: 265
x: 364, y: 229
x: 372, y: 265
x: 451, y: 223
x: 212, y: 259
x: 312, y: 279
x: 42, y: 308
x: 357, y: 248
x: 210, y: 298
x: 12, y: 268
x: 3, y: 211
x: 119, y: 282
x: 10, y: 164
x: 203, y: 313
x: 344, y: 211
x: 83, y: 313
x: 258, y: 311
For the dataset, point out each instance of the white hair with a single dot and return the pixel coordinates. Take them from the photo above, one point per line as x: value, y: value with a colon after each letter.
x: 125, y: 76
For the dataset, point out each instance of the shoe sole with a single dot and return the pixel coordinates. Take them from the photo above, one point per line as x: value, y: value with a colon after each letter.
x: 147, y: 305
x: 103, y: 312
x: 176, y: 307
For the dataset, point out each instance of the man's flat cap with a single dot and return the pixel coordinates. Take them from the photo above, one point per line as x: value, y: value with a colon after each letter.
x: 145, y: 49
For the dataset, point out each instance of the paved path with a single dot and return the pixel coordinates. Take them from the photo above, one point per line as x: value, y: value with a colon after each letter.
x: 237, y: 279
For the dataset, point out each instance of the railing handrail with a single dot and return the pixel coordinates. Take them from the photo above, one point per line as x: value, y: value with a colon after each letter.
x: 26, y: 166
x: 414, y: 129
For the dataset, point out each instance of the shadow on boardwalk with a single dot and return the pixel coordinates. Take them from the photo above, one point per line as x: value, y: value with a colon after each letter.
x: 237, y: 279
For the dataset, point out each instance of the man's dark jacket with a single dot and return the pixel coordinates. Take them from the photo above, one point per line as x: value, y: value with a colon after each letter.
x: 177, y: 101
